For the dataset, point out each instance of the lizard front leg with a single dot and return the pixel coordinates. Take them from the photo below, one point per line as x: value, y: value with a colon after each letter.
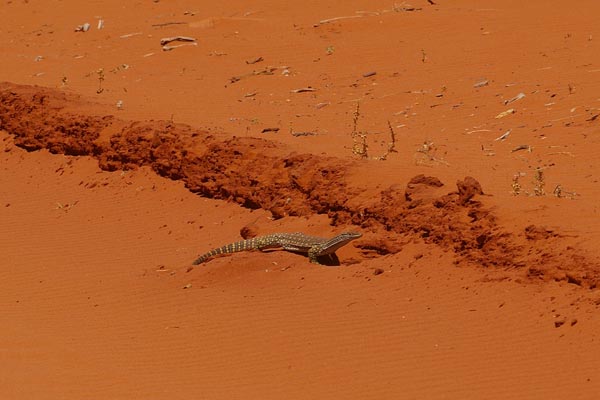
x: 313, y: 253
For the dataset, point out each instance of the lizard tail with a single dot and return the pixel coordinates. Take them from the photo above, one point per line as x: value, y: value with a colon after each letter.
x: 227, y: 249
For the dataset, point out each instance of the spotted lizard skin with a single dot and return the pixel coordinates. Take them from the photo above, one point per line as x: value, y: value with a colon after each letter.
x: 297, y: 242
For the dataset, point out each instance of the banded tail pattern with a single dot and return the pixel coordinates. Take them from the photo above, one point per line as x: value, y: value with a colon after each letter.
x: 242, y: 245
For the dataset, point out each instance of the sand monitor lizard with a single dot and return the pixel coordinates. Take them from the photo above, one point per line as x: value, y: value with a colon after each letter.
x: 298, y: 242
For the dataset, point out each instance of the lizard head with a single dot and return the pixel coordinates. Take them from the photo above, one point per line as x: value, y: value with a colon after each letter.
x: 351, y: 234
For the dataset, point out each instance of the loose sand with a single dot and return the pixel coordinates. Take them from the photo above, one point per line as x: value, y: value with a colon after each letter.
x: 121, y: 163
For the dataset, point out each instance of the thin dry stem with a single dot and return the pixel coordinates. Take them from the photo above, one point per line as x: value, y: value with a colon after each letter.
x: 538, y: 182
x: 516, y: 186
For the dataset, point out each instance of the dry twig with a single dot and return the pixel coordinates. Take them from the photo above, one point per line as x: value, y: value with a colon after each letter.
x: 522, y: 147
x: 391, y: 145
x: 503, y: 136
x: 264, y: 71
x: 168, y: 40
x: 505, y: 113
x: 304, y: 89
x: 517, y: 97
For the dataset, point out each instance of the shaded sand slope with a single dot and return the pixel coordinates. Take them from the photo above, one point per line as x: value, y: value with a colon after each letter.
x: 94, y: 292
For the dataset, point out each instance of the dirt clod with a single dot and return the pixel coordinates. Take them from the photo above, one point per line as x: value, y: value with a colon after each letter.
x: 467, y: 189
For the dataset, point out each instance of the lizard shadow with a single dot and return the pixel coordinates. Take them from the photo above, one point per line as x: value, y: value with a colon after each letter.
x: 328, y: 260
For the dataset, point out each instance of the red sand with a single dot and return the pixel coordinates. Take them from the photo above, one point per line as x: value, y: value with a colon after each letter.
x: 459, y: 288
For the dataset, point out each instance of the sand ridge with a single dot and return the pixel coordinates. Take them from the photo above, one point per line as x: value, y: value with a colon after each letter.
x: 295, y: 185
